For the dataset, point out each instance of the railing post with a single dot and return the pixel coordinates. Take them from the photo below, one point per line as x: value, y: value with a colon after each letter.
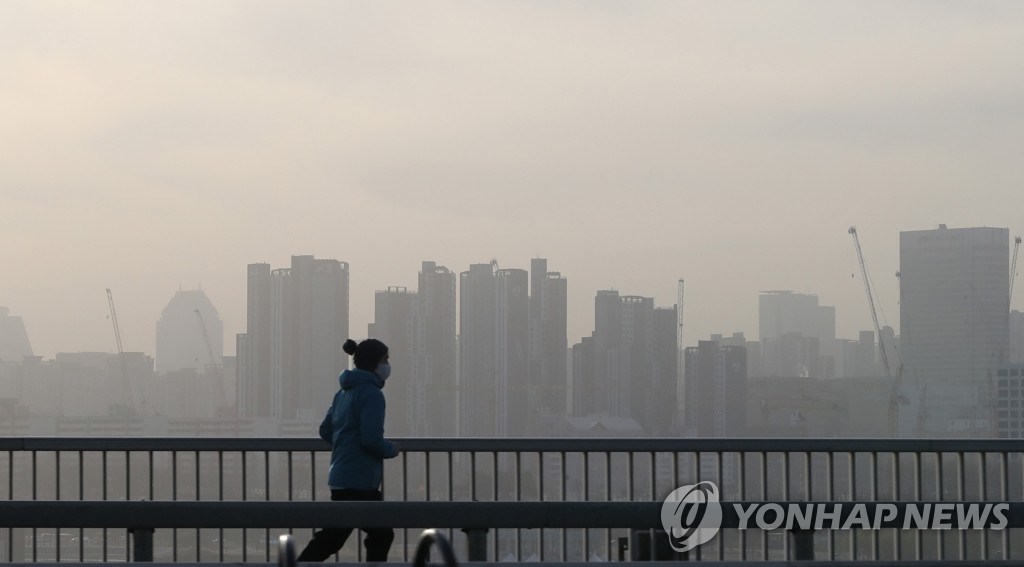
x: 476, y: 544
x: 142, y: 544
x: 803, y: 545
x: 285, y: 551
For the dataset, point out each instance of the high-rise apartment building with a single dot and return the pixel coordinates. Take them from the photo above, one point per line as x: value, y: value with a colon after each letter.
x: 290, y: 356
x: 477, y: 361
x: 953, y: 326
x: 627, y: 367
x: 181, y: 341
x: 497, y: 350
x: 548, y: 336
x: 511, y: 352
x: 433, y: 407
x: 395, y: 323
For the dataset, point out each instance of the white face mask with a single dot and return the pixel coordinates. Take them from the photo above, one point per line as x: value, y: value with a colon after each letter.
x: 384, y: 370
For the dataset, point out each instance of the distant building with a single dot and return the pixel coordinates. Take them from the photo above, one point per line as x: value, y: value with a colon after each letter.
x: 716, y: 390
x: 81, y: 384
x: 953, y: 326
x: 1009, y: 392
x: 434, y: 372
x: 789, y: 407
x: 395, y: 323
x: 14, y: 344
x: 797, y: 335
x: 782, y: 313
x: 549, y: 381
x: 477, y: 388
x: 290, y: 356
x: 512, y: 349
x: 1016, y: 337
x: 180, y: 341
x: 512, y: 352
x: 628, y: 367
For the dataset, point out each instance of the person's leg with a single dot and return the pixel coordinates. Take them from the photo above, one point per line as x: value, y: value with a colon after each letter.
x: 326, y: 542
x: 378, y: 540
x: 378, y: 543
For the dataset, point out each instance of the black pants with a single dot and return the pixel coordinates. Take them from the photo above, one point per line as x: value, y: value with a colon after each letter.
x: 327, y: 542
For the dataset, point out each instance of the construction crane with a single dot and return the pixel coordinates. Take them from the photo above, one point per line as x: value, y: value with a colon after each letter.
x: 213, y: 360
x: 1013, y: 272
x: 130, y: 402
x: 894, y: 395
x: 680, y: 349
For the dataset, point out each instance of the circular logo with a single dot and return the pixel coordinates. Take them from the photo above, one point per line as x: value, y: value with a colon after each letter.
x: 691, y: 515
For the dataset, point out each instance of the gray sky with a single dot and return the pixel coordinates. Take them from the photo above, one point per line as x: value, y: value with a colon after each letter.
x: 150, y: 144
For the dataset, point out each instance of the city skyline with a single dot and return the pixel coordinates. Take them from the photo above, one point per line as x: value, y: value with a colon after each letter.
x: 730, y: 144
x: 889, y: 317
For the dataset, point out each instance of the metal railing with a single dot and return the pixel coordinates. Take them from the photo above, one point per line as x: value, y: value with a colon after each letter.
x: 467, y: 469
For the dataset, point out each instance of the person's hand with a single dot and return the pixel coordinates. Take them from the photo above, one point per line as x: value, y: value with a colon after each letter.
x: 397, y: 445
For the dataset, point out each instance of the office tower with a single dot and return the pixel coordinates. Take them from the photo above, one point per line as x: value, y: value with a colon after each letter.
x: 14, y: 344
x: 477, y: 339
x: 953, y: 326
x: 716, y: 390
x: 548, y: 341
x: 394, y: 323
x: 433, y: 402
x: 181, y: 341
x: 297, y: 322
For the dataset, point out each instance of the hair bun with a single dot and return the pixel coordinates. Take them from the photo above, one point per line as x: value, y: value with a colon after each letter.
x: 349, y: 347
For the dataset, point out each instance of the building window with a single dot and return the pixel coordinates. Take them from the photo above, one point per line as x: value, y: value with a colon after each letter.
x: 1002, y: 372
x: 1014, y: 372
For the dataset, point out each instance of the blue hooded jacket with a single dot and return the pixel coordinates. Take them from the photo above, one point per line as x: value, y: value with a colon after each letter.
x: 354, y: 426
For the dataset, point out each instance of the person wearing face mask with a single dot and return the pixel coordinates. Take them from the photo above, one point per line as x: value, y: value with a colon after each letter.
x: 354, y: 426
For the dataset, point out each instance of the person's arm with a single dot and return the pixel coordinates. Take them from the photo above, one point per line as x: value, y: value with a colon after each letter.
x: 371, y: 427
x: 327, y: 426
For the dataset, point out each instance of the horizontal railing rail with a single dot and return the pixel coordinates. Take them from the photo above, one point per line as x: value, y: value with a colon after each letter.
x: 543, y: 445
x: 638, y: 515
x: 475, y: 518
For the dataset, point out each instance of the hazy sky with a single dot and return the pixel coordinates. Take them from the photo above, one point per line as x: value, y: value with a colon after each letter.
x: 147, y: 145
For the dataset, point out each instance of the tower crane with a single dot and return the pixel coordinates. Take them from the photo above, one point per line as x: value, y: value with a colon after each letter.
x: 213, y: 360
x: 130, y: 402
x: 894, y: 395
x: 1013, y: 272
